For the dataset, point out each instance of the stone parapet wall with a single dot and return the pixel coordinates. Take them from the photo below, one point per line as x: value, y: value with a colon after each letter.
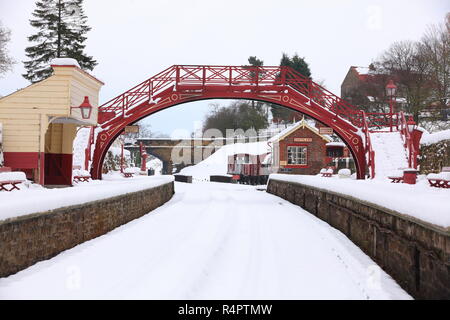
x: 29, y: 239
x: 414, y: 253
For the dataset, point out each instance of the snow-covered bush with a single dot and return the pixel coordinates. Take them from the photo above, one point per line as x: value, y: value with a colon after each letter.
x: 435, y: 155
x: 112, y: 159
x: 344, y: 173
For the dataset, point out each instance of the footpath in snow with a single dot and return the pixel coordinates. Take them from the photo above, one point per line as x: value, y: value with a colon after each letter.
x: 390, y: 154
x: 211, y: 241
x: 420, y: 201
x: 38, y: 199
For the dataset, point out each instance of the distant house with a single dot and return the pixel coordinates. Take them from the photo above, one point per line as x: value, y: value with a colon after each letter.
x: 352, y: 81
x: 365, y: 88
x: 301, y: 149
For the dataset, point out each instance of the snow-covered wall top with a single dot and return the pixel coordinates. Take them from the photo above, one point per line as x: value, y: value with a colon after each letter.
x: 419, y: 201
x: 430, y: 138
x: 64, y: 62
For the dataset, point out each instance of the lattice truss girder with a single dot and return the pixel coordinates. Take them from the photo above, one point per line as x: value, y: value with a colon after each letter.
x: 236, y: 78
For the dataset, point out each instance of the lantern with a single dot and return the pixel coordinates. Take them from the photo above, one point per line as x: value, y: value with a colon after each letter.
x: 412, y: 125
x: 391, y: 89
x: 86, y: 108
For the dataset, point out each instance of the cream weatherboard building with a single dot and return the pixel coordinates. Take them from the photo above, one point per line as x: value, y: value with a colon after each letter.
x: 40, y: 122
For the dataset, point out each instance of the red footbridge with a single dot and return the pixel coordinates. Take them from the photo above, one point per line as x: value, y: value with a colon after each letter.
x: 277, y: 85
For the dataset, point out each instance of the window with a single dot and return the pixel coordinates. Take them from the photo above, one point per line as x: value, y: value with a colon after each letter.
x: 335, y: 152
x: 296, y: 155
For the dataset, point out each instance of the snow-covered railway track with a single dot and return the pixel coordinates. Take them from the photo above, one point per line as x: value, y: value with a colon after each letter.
x: 211, y: 241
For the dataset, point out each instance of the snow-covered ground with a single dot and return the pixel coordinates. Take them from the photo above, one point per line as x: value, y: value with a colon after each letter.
x: 38, y: 199
x: 211, y: 241
x: 216, y: 164
x: 390, y: 154
x: 430, y: 138
x: 156, y: 165
x: 79, y: 145
x: 419, y: 201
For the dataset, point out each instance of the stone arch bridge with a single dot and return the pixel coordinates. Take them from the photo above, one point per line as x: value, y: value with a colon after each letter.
x: 177, y: 153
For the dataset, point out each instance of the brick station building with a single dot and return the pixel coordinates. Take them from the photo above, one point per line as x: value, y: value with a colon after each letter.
x: 301, y: 149
x: 40, y: 122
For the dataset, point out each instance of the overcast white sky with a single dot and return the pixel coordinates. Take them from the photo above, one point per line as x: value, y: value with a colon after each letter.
x: 135, y: 39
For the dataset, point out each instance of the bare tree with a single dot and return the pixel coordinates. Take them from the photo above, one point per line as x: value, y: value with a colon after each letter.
x: 6, y: 62
x: 435, y: 49
x: 409, y: 68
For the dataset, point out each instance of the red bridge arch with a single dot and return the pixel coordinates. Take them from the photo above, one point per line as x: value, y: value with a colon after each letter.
x: 278, y: 85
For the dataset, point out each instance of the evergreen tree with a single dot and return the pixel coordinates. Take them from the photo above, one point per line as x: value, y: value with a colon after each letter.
x: 62, y: 26
x: 296, y: 63
x: 300, y: 65
x: 255, y: 62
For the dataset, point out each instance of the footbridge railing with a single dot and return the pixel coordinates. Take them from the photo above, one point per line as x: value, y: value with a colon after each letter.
x: 236, y: 78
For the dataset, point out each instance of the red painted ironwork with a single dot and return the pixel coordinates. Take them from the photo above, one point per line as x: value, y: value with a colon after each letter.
x: 278, y: 85
x: 370, y: 154
x: 412, y: 151
x: 382, y: 122
x: 227, y: 78
x: 88, y: 150
x: 144, y: 156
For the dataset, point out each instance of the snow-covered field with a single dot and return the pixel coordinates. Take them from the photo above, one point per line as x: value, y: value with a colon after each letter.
x: 419, y: 201
x: 39, y: 199
x: 211, y: 241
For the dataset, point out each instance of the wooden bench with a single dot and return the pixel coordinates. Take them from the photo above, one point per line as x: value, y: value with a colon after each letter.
x: 80, y: 175
x: 127, y: 173
x: 10, y: 178
x: 440, y: 180
x: 327, y: 172
x: 396, y: 176
x: 396, y: 179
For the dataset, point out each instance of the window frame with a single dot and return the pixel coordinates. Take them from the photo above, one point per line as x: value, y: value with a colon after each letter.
x: 305, y: 165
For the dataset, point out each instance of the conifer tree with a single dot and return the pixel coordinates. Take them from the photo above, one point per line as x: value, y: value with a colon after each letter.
x: 62, y: 26
x: 300, y: 65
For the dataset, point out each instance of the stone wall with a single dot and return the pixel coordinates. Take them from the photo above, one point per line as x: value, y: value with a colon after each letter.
x: 414, y: 253
x: 29, y: 239
x: 434, y: 156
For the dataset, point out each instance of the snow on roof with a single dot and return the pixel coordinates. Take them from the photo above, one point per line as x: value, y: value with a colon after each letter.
x: 301, y: 124
x: 64, y: 62
x: 401, y: 100
x: 362, y: 70
x: 335, y: 144
x: 430, y: 138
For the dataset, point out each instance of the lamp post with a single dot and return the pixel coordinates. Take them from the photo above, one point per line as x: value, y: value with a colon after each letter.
x: 391, y: 91
x: 143, y: 157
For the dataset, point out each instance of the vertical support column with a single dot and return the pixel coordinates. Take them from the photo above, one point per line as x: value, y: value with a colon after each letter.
x: 121, y: 157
